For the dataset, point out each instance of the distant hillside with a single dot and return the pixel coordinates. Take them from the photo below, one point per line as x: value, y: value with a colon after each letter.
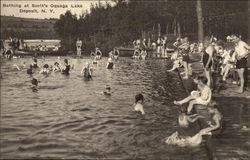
x: 27, y: 28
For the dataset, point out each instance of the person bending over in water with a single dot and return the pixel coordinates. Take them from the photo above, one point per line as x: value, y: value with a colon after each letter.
x: 110, y: 64
x: 202, y: 96
x: 139, y: 99
x: 45, y: 69
x: 34, y: 63
x: 65, y: 67
x: 185, y: 119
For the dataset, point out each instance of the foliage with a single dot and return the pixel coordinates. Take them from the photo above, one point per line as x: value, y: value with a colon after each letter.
x: 107, y: 26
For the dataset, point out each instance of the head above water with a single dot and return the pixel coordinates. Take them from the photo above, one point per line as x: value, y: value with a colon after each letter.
x: 66, y: 61
x: 34, y: 82
x: 212, y: 106
x: 56, y: 64
x: 139, y: 97
x: 46, y: 66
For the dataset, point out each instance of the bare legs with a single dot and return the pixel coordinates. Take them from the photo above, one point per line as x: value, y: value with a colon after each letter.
x: 208, y: 76
x: 241, y: 75
x: 185, y: 64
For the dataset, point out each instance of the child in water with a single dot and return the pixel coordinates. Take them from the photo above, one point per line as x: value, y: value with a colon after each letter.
x: 56, y: 67
x: 139, y: 99
x: 45, y: 69
x: 216, y: 118
x: 185, y: 119
x: 65, y: 67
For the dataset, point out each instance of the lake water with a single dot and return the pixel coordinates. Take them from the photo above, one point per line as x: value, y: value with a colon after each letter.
x: 70, y: 118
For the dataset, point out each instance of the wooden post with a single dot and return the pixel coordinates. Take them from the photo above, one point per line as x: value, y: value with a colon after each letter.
x: 199, y: 20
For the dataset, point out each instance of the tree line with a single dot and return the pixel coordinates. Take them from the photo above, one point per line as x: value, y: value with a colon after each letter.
x: 106, y: 26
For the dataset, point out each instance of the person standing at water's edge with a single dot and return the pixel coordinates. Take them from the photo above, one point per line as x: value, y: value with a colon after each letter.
x: 242, y: 51
x: 207, y: 59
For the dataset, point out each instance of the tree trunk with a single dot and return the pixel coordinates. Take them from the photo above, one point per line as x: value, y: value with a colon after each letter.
x: 248, y: 22
x: 199, y: 20
x: 179, y: 29
x: 159, y: 30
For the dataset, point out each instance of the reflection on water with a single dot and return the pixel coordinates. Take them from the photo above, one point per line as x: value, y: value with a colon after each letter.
x: 69, y: 117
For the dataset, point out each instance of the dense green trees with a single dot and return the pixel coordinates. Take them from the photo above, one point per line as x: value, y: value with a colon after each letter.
x: 106, y: 26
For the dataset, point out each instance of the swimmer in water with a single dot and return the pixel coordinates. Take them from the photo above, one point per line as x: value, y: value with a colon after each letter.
x: 23, y: 66
x: 139, y: 99
x: 30, y: 70
x: 110, y: 64
x: 107, y: 91
x: 34, y: 86
x: 66, y: 67
x: 56, y: 67
x: 87, y: 71
x: 185, y: 119
x: 45, y: 69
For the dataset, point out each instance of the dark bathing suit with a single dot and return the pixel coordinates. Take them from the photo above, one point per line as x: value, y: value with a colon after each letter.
x: 205, y: 59
x: 110, y: 65
x: 66, y: 71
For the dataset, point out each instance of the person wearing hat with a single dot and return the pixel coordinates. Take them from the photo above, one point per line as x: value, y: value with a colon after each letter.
x: 242, y: 51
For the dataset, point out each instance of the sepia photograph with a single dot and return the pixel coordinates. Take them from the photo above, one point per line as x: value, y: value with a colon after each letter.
x: 125, y: 79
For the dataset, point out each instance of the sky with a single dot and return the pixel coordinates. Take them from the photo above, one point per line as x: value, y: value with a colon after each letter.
x: 42, y: 9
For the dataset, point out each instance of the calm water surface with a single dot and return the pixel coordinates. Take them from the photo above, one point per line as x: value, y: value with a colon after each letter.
x: 69, y: 117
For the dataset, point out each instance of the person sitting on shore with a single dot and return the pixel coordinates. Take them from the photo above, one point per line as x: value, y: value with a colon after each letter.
x: 184, y: 119
x: 110, y: 64
x: 87, y: 71
x: 66, y: 67
x: 56, y: 67
x: 202, y: 96
x: 45, y: 69
x: 139, y: 99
